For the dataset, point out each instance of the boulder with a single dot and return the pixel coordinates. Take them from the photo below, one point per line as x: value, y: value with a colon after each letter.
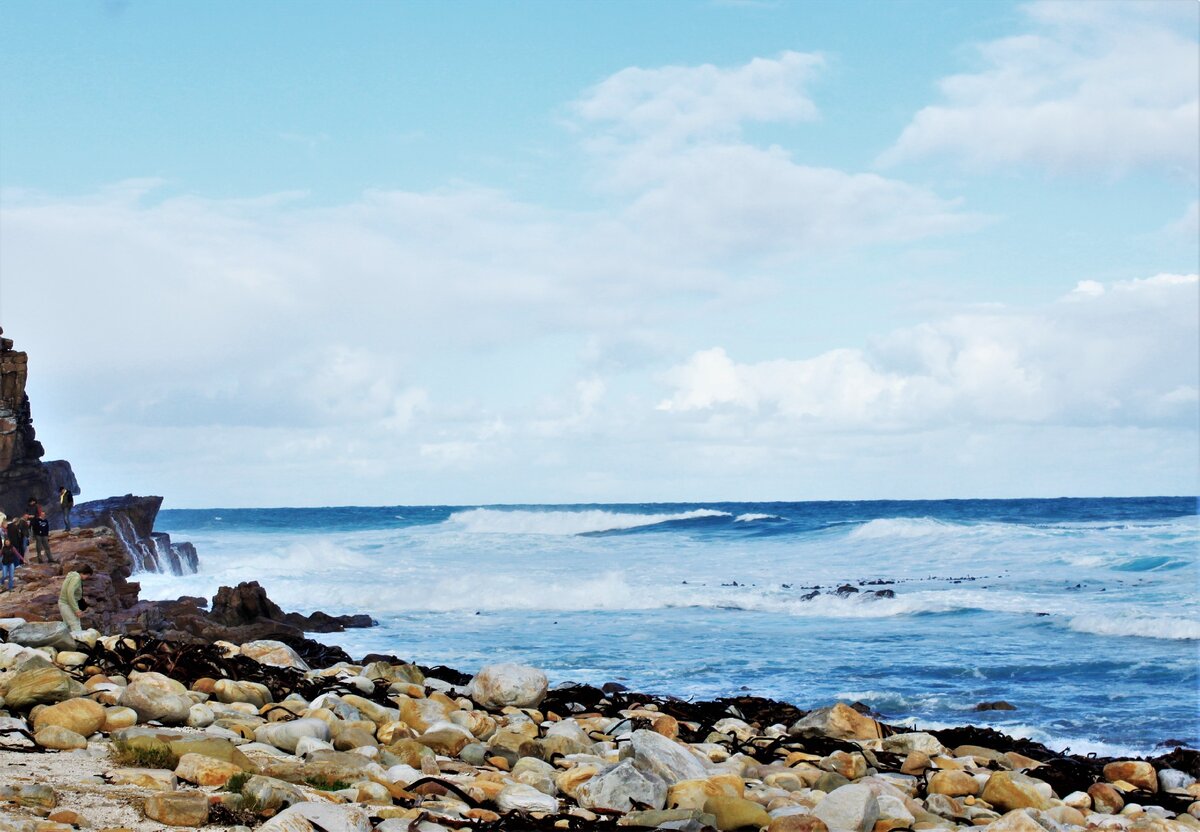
x: 39, y: 686
x: 29, y: 795
x: 522, y: 798
x: 619, y: 787
x: 286, y: 735
x: 1136, y: 772
x: 274, y: 653
x: 797, y: 823
x: 42, y: 634
x: 230, y: 692
x: 502, y: 685
x: 736, y: 813
x: 205, y: 771
x: 953, y: 784
x: 920, y: 741
x: 270, y: 793
x: 344, y: 766
x: 325, y: 817
x: 83, y: 716
x: 59, y: 739
x: 1018, y: 820
x: 10, y: 740
x: 1105, y: 799
x: 177, y: 808
x: 1008, y: 790
x: 838, y: 721
x: 666, y: 759
x: 851, y: 808
x: 154, y: 701
x: 147, y: 778
x: 216, y: 748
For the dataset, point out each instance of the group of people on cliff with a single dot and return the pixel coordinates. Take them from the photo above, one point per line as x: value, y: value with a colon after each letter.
x: 18, y: 531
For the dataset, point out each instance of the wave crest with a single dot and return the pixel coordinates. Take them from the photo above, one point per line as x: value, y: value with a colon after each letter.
x: 520, y: 521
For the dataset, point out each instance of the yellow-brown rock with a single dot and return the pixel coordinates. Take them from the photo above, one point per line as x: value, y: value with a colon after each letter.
x: 736, y: 813
x: 797, y: 823
x: 1105, y: 799
x: 1141, y: 774
x: 117, y: 717
x: 694, y: 794
x: 58, y: 738
x: 178, y: 808
x: 915, y: 763
x: 1008, y: 790
x: 838, y: 721
x: 83, y: 716
x: 1015, y: 821
x: 953, y: 784
x: 205, y: 771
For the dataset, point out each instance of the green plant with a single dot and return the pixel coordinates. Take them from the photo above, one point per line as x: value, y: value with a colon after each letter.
x: 237, y: 782
x: 143, y: 755
x: 327, y: 785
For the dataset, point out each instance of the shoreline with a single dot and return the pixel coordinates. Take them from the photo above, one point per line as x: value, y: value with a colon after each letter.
x: 439, y: 747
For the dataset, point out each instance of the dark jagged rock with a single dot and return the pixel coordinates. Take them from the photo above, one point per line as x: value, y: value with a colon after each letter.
x: 132, y: 518
x: 247, y: 604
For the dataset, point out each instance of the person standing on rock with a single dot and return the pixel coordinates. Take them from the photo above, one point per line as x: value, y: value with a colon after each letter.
x: 16, y: 529
x: 39, y: 527
x: 10, y: 559
x: 70, y: 598
x: 67, y: 501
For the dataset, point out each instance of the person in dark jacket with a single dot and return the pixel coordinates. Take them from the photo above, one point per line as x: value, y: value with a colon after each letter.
x: 39, y: 528
x: 67, y: 501
x: 10, y: 559
x: 16, y: 530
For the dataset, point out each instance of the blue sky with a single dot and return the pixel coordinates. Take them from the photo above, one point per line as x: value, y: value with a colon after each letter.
x: 316, y: 253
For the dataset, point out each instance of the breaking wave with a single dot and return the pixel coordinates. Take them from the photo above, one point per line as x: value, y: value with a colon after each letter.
x: 904, y: 527
x: 497, y: 521
x: 1142, y: 626
x: 750, y: 518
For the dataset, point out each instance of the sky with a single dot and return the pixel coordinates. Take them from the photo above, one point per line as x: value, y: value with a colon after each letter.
x: 361, y: 253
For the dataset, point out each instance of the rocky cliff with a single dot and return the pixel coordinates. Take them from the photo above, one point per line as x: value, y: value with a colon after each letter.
x: 23, y: 474
x: 241, y: 613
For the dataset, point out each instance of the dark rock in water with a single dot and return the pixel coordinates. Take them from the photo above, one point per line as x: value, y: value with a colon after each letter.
x: 883, y: 593
x: 811, y: 595
x: 248, y: 604
x: 846, y: 590
x: 613, y: 687
x: 998, y: 705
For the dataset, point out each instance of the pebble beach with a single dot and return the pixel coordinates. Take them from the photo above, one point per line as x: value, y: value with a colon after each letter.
x: 109, y: 731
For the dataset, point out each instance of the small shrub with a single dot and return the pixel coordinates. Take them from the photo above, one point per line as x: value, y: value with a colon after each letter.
x: 142, y: 756
x: 237, y: 782
x: 327, y: 785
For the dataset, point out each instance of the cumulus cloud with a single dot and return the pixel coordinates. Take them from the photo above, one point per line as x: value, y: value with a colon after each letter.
x: 672, y: 141
x: 1091, y: 86
x: 1117, y: 354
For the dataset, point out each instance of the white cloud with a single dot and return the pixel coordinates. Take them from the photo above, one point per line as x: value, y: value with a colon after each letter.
x: 670, y: 105
x: 671, y: 140
x: 1110, y: 86
x: 1125, y: 354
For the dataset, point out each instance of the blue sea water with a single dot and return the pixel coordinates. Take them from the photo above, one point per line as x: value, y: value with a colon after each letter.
x: 1082, y: 613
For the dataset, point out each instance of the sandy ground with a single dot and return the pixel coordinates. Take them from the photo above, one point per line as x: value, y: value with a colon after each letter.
x: 75, y: 777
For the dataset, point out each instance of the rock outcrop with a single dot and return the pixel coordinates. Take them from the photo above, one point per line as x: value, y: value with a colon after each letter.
x: 132, y: 518
x: 22, y: 472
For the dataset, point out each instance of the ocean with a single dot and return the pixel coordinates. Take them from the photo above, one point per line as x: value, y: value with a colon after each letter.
x: 1081, y: 613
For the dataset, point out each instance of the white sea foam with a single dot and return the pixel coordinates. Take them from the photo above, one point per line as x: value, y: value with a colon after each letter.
x: 1144, y: 626
x: 750, y: 518
x: 516, y: 521
x: 904, y: 527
